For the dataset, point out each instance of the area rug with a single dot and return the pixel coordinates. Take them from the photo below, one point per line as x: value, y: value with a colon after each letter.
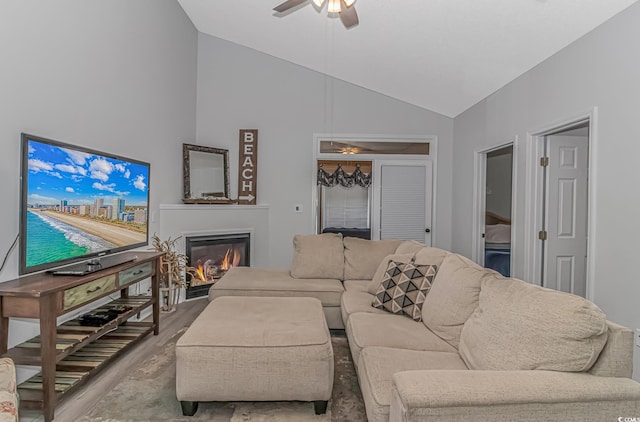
x: 148, y: 394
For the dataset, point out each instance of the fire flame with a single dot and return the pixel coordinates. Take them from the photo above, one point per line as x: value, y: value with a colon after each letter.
x: 209, y: 272
x: 200, y: 273
x: 231, y: 259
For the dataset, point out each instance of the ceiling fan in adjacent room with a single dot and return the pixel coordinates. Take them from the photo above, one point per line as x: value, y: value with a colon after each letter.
x: 344, y: 8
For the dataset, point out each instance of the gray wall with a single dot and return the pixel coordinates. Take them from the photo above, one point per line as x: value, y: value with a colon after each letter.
x: 118, y: 76
x: 240, y: 88
x: 599, y: 70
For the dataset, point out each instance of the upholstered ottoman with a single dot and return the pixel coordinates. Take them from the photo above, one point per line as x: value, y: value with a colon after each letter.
x: 256, y: 349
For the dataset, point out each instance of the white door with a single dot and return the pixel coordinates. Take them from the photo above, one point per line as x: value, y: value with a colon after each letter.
x: 404, y: 200
x: 565, y: 250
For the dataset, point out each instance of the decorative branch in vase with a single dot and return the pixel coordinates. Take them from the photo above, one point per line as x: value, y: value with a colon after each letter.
x: 172, y: 270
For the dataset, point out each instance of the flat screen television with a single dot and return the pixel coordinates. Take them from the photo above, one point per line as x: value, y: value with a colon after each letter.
x: 78, y: 204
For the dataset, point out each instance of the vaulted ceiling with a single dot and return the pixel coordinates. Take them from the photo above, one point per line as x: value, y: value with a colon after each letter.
x: 442, y: 55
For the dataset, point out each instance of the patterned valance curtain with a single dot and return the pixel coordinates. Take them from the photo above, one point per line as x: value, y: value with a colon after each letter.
x: 342, y: 178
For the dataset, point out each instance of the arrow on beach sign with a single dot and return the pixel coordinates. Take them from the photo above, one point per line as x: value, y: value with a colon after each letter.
x: 247, y: 198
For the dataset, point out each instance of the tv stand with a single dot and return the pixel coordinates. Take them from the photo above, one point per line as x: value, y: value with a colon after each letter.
x: 62, y: 351
x: 93, y: 265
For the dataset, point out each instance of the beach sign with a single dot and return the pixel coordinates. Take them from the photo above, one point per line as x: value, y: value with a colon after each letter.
x: 248, y: 166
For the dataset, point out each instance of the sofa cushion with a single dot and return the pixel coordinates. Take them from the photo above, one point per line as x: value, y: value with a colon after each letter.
x: 387, y: 330
x: 318, y: 256
x: 377, y: 365
x: 361, y: 257
x: 250, y: 281
x: 353, y: 301
x: 511, y: 396
x: 359, y: 285
x: 453, y: 297
x: 382, y: 269
x: 404, y: 288
x: 519, y: 326
x: 430, y: 256
x: 409, y: 246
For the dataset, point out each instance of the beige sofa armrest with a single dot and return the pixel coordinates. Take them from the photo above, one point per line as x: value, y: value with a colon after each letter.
x: 511, y: 395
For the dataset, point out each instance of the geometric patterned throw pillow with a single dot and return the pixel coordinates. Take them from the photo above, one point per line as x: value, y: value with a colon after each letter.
x: 404, y: 288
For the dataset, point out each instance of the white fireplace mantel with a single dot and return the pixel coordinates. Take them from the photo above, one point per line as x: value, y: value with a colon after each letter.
x: 183, y: 219
x: 196, y: 207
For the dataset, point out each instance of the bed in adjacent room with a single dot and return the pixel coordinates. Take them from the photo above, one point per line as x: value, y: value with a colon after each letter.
x: 497, y: 244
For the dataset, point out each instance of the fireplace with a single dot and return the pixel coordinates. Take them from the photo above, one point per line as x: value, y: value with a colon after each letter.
x: 211, y: 256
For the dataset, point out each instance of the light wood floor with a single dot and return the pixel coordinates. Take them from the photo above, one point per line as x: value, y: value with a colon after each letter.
x: 82, y: 401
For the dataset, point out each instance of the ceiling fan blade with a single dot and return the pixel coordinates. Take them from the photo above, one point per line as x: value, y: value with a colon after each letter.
x: 289, y: 4
x: 348, y: 15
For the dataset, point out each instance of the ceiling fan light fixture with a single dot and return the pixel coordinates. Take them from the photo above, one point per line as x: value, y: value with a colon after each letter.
x: 344, y: 9
x: 334, y: 6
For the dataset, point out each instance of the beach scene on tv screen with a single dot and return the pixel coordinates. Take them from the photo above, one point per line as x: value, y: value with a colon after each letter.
x: 80, y: 203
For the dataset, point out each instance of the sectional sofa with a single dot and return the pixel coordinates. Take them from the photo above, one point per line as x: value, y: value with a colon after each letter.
x: 469, y: 345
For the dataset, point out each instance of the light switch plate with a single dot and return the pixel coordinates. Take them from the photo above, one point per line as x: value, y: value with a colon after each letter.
x: 298, y: 208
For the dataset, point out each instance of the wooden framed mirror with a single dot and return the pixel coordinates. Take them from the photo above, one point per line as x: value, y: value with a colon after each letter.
x: 206, y: 174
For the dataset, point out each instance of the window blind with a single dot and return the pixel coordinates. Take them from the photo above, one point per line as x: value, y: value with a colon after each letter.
x: 403, y: 202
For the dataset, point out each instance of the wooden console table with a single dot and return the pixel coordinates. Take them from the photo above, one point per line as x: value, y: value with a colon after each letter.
x: 71, y: 353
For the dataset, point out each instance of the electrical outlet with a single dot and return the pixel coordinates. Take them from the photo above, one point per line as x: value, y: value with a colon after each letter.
x: 638, y: 337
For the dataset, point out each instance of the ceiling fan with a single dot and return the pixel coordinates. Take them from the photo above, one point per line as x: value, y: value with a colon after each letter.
x: 344, y: 8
